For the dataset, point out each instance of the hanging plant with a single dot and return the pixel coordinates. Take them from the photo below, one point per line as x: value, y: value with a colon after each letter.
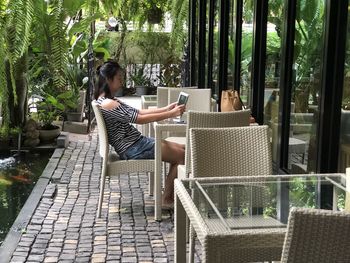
x: 154, y: 15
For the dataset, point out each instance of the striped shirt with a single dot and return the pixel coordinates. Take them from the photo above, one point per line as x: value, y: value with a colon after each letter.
x: 121, y: 134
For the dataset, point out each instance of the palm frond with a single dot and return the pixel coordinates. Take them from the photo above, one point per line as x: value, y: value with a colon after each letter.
x: 83, y: 26
x: 2, y: 52
x: 59, y: 50
x: 19, y: 26
x: 2, y: 9
x: 180, y: 9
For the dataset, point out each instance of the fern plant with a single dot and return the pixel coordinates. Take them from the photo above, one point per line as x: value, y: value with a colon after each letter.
x: 3, y: 83
x: 16, y: 19
x: 58, y: 60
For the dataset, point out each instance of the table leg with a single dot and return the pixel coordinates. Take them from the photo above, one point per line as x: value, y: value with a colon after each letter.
x: 157, y: 176
x: 180, y: 232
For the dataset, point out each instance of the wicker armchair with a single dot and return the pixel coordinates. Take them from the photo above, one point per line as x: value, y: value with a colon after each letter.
x: 241, y: 151
x: 315, y: 235
x: 196, y: 119
x: 111, y: 164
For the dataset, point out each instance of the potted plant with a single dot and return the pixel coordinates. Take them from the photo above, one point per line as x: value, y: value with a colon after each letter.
x: 141, y: 81
x: 48, y: 111
x: 74, y: 101
x: 170, y: 73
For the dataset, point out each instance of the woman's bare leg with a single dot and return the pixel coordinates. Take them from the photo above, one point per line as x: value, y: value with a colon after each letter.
x: 173, y: 153
x: 168, y: 196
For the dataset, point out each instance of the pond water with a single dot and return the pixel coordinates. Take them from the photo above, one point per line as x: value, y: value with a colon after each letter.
x: 18, y: 175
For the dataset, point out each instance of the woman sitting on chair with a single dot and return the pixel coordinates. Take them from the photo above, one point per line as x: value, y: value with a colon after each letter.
x: 128, y: 142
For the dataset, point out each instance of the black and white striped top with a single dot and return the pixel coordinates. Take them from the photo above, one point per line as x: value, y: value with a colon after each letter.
x: 121, y: 134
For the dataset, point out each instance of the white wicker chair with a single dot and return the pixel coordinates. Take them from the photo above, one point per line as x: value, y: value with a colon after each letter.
x: 199, y: 99
x: 111, y: 165
x: 315, y: 235
x: 240, y: 151
x: 196, y: 119
x: 163, y: 94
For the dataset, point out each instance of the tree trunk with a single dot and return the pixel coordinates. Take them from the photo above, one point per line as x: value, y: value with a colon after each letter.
x: 121, y: 43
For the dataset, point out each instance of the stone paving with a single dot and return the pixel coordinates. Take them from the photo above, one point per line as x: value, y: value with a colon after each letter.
x: 64, y: 227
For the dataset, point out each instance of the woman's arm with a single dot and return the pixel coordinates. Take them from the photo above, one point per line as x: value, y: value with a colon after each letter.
x: 157, y: 110
x: 177, y: 110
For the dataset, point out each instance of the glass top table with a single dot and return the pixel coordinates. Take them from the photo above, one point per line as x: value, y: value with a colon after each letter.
x: 249, y: 214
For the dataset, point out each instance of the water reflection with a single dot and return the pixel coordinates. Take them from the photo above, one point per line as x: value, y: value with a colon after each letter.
x: 18, y: 175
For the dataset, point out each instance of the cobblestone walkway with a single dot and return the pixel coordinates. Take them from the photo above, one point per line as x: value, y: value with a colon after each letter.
x: 64, y: 227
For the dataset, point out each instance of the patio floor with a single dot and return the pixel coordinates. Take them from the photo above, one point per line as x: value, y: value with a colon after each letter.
x: 64, y: 227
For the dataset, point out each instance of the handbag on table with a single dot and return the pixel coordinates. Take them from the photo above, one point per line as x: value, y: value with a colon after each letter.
x: 231, y: 101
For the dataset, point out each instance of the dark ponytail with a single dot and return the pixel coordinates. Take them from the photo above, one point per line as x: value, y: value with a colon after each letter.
x: 105, y: 72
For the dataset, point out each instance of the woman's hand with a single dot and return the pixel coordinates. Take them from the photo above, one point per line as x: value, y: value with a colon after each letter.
x: 170, y: 106
x: 177, y: 110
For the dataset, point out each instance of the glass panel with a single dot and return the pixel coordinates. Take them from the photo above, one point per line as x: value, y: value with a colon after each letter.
x: 206, y: 84
x: 246, y: 52
x: 309, y: 27
x: 216, y: 48
x: 195, y: 73
x: 272, y: 72
x: 344, y: 158
x: 255, y: 202
x: 231, y: 45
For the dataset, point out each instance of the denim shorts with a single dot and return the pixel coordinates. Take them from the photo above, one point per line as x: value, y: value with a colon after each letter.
x: 142, y: 149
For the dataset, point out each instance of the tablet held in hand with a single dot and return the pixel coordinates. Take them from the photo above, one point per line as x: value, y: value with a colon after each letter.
x: 183, y: 98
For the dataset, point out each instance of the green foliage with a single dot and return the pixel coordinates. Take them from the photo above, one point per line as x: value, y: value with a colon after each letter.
x: 59, y: 54
x: 6, y: 131
x: 302, y: 192
x: 3, y: 77
x: 19, y: 25
x: 49, y: 110
x: 15, y: 23
x: 83, y: 26
x: 309, y: 31
x: 139, y: 77
x: 100, y: 46
x: 73, y: 7
x: 179, y: 16
x: 170, y: 73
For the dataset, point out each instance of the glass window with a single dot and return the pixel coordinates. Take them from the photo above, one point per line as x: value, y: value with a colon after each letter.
x: 246, y: 51
x: 206, y: 84
x: 195, y: 73
x: 272, y: 71
x: 231, y: 45
x: 216, y: 48
x: 309, y: 28
x: 344, y: 157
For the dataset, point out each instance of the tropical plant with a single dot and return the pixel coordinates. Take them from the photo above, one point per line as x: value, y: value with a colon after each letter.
x: 179, y: 16
x: 48, y: 111
x: 15, y: 23
x: 139, y: 77
x: 48, y: 48
x: 170, y: 73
